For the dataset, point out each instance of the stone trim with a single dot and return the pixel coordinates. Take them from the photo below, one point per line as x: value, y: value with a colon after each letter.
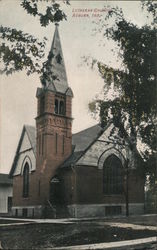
x: 28, y: 160
x: 108, y: 152
x: 21, y: 207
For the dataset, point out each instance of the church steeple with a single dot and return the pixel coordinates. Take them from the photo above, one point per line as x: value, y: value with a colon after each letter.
x: 54, y: 77
x: 54, y: 115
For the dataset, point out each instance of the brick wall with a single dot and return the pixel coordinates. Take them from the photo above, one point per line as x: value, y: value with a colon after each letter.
x: 49, y: 126
x: 18, y: 199
x: 89, y: 187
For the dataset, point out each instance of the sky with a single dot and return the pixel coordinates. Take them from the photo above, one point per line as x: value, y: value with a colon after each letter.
x: 18, y: 104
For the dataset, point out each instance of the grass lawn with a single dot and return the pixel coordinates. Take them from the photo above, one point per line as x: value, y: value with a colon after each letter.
x: 40, y: 236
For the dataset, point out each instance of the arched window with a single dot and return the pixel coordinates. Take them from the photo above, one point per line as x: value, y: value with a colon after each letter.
x: 61, y: 108
x: 56, y: 106
x: 26, y: 180
x: 113, y: 176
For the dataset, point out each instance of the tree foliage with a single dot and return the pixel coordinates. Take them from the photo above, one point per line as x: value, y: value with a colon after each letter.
x: 19, y: 51
x: 22, y: 51
x: 134, y: 109
x: 53, y: 13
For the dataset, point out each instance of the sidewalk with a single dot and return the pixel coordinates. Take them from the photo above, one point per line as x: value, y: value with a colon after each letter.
x: 100, y: 221
x: 108, y: 245
x: 144, y: 216
x: 129, y: 225
x: 24, y: 221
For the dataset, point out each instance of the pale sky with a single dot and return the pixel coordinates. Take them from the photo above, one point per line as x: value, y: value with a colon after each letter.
x: 17, y: 91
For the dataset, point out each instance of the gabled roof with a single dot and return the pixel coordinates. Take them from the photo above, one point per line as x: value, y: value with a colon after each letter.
x: 5, y: 180
x: 81, y: 142
x: 83, y: 139
x: 31, y: 132
x: 72, y: 159
x: 55, y: 77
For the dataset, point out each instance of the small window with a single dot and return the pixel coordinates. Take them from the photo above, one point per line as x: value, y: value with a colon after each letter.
x: 56, y: 106
x: 26, y: 180
x: 24, y: 212
x: 61, y: 108
x: 32, y: 212
x: 113, y: 210
x: 16, y: 212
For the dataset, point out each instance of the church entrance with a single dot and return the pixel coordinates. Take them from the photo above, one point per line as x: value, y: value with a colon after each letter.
x: 56, y: 192
x: 57, y: 198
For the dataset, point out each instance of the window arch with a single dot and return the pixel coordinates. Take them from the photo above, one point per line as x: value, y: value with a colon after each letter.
x: 113, y: 176
x: 26, y: 180
x: 61, y: 108
x: 28, y: 161
x: 56, y: 106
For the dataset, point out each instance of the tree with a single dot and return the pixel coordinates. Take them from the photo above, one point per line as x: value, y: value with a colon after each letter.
x: 20, y: 51
x: 133, y: 110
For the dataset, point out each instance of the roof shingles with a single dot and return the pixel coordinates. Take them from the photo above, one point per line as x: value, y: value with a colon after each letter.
x: 55, y: 77
x: 81, y: 141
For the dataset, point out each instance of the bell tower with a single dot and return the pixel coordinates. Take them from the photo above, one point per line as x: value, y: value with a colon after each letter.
x: 54, y: 115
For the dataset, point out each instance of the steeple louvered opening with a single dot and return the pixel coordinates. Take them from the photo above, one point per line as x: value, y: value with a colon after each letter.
x: 60, y: 107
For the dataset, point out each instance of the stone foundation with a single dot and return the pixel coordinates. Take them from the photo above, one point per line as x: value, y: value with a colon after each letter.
x: 85, y: 210
x: 102, y: 210
x: 27, y: 212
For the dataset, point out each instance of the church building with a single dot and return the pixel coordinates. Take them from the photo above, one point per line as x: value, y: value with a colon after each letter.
x: 56, y: 173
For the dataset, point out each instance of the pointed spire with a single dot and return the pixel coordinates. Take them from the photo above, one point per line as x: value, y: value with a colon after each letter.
x: 54, y: 77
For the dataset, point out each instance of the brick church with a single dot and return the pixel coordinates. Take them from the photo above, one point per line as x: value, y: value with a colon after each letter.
x: 56, y: 173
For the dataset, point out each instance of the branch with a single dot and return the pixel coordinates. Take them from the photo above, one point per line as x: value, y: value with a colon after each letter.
x: 20, y: 51
x: 52, y: 14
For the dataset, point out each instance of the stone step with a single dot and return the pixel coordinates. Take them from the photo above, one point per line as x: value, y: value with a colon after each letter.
x: 56, y: 212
